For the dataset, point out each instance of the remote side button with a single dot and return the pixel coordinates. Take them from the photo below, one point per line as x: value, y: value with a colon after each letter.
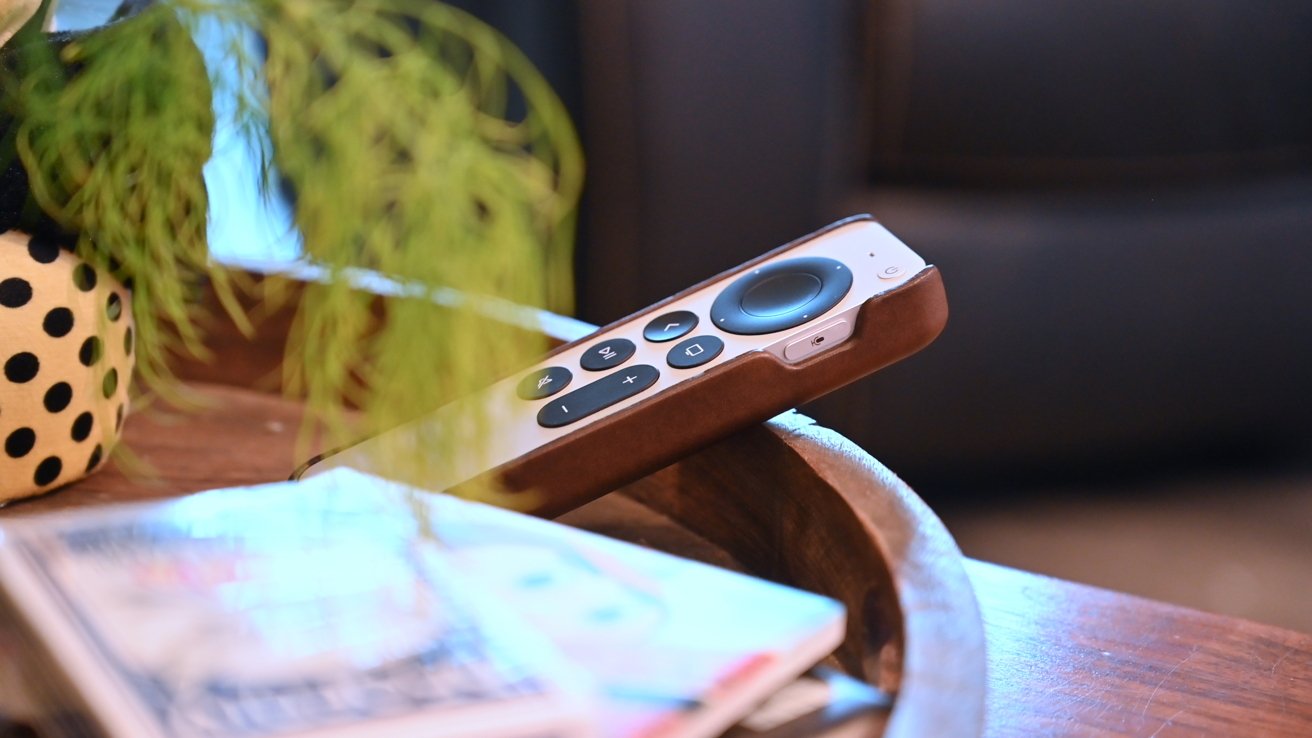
x: 543, y: 383
x: 694, y: 352
x: 781, y: 295
x: 818, y: 340
x: 670, y: 326
x: 599, y: 395
x: 607, y: 354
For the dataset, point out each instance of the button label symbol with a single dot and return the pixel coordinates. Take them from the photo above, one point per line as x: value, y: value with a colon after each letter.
x: 669, y: 326
x: 564, y: 409
x: 607, y: 354
x: 628, y: 379
x: 543, y: 383
x: 694, y: 350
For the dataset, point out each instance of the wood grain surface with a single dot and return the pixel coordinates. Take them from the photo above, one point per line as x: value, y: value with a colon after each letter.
x: 1068, y: 659
x: 229, y: 437
x: 1063, y: 659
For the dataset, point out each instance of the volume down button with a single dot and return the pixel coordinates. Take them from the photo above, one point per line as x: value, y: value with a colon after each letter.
x: 599, y: 395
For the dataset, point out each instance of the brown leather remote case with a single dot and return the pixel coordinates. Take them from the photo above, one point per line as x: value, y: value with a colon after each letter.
x: 780, y: 343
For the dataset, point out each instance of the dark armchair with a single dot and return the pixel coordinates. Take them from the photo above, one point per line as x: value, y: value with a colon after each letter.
x: 1119, y: 195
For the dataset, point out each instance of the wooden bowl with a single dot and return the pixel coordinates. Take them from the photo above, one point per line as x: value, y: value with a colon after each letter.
x: 798, y: 503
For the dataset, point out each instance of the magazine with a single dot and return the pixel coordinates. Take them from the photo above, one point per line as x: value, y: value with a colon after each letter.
x: 304, y: 606
x: 256, y: 615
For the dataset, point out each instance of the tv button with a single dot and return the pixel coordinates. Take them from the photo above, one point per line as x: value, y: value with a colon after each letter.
x: 694, y: 352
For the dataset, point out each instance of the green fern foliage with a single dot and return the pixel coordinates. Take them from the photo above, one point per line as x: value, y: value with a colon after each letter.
x: 113, y: 129
x: 394, y: 124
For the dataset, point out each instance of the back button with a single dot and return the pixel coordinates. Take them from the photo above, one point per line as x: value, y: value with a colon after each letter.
x: 670, y: 326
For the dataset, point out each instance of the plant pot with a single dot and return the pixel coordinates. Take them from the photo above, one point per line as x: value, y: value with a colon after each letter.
x: 66, y: 360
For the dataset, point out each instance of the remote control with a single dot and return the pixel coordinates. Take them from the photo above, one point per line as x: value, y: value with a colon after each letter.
x: 739, y: 348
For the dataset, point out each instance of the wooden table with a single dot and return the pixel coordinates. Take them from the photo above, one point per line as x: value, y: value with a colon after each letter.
x: 1063, y: 658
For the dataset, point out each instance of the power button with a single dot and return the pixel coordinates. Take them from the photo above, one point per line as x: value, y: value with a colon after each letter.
x: 818, y: 340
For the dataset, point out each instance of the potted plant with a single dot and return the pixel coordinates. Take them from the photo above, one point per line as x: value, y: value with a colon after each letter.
x: 392, y: 124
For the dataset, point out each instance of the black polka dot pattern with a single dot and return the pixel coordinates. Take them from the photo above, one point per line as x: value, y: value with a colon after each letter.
x: 20, y: 442
x: 110, y: 383
x: 66, y: 346
x: 22, y: 367
x: 48, y: 471
x: 58, y: 322
x: 42, y: 251
x: 15, y: 292
x: 58, y: 397
x: 84, y: 277
x: 97, y: 454
x: 90, y: 351
x: 82, y: 427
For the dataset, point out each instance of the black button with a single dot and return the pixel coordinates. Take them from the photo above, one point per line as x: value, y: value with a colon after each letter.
x: 670, y: 326
x: 543, y: 383
x: 781, y: 295
x: 599, y: 395
x: 607, y: 354
x: 694, y: 352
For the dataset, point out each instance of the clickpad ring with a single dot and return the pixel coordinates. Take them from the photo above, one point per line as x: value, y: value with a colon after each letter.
x: 781, y: 295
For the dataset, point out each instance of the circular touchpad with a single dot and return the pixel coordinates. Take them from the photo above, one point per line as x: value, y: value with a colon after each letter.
x: 781, y: 295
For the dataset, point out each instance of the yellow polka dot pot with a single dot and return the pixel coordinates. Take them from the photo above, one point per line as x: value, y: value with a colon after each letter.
x: 66, y: 359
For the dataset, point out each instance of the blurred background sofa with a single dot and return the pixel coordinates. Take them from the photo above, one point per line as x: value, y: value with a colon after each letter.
x: 1119, y: 195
